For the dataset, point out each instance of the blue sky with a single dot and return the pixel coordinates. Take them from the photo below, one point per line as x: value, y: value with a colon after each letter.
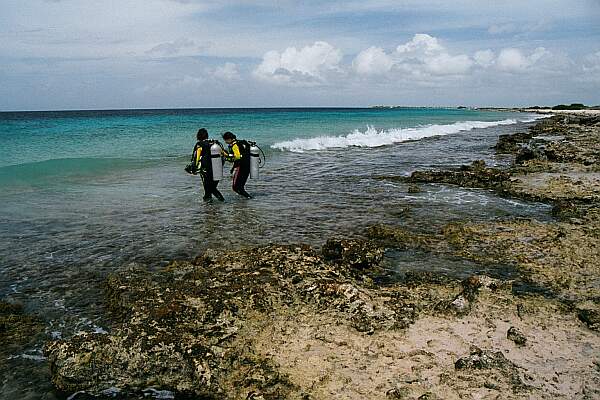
x: 74, y: 54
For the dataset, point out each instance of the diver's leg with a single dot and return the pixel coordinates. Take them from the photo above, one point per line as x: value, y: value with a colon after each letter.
x: 236, y: 172
x: 216, y: 192
x: 207, y: 184
x: 242, y: 178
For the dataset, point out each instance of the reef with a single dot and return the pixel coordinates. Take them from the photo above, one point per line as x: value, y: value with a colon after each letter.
x: 295, y: 322
x: 20, y: 335
x: 556, y: 161
x: 17, y: 329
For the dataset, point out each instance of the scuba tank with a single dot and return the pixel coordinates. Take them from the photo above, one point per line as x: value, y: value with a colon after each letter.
x: 216, y: 162
x: 254, y: 160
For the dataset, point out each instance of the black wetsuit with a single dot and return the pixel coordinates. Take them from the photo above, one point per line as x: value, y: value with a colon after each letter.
x: 239, y: 153
x: 202, y: 160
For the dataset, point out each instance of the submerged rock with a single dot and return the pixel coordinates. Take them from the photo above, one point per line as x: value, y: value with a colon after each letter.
x: 476, y: 175
x: 399, y: 237
x: 17, y: 329
x: 414, y: 189
x: 355, y: 253
x: 511, y: 144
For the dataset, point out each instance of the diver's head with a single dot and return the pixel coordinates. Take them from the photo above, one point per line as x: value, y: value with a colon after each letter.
x: 228, y: 137
x: 202, y: 134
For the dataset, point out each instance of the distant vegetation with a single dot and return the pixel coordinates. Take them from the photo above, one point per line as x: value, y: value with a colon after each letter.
x: 574, y: 106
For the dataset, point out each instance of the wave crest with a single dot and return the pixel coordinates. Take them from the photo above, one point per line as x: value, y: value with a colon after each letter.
x: 371, y: 137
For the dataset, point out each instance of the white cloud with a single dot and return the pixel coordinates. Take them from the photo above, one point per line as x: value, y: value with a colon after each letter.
x: 445, y: 64
x: 423, y: 56
x: 372, y: 61
x: 513, y: 60
x: 227, y: 72
x: 307, y: 66
x: 425, y: 60
x: 484, y: 58
x: 421, y: 44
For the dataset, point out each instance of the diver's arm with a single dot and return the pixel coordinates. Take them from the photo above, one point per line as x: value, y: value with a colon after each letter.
x: 226, y: 156
x: 193, y: 160
x: 236, y: 152
x: 198, y: 155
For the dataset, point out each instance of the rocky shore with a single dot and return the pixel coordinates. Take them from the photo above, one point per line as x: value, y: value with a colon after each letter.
x: 294, y: 322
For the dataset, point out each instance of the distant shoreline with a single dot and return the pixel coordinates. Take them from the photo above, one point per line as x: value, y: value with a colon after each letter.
x: 588, y: 112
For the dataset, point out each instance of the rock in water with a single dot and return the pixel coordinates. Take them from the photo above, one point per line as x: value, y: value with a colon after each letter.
x: 355, y: 253
x: 511, y: 144
x: 17, y: 329
x: 414, y: 189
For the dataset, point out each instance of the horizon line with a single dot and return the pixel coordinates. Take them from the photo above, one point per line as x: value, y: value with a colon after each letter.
x: 262, y: 108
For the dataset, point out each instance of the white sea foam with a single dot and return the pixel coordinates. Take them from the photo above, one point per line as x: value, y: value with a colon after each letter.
x: 371, y: 137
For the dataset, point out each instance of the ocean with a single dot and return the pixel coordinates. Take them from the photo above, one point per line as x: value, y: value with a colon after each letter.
x: 84, y: 193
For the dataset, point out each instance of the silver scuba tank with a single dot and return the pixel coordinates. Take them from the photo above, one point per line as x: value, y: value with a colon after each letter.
x: 217, y: 164
x: 254, y: 161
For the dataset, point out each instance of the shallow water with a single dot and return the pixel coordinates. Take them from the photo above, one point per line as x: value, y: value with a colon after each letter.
x: 66, y: 223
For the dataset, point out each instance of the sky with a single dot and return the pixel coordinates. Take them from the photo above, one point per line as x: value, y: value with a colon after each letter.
x: 107, y: 54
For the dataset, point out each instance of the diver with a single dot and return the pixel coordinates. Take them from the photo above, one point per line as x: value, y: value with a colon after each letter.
x: 239, y: 154
x: 202, y: 163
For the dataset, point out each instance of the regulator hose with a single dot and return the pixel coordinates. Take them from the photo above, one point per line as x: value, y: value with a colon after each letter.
x: 261, y: 161
x: 262, y: 158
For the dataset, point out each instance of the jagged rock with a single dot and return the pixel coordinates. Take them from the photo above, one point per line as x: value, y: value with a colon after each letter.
x: 17, y: 329
x: 419, y: 278
x: 179, y: 328
x: 399, y: 237
x: 358, y: 254
x: 460, y: 304
x: 527, y: 153
x: 516, y: 336
x: 473, y: 284
x: 476, y: 165
x: 397, y: 393
x: 476, y: 175
x: 511, y: 144
x: 484, y: 359
x: 589, y: 313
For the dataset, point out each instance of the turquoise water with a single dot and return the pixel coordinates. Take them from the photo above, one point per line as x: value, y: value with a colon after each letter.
x: 84, y: 193
x: 45, y: 148
x: 35, y: 137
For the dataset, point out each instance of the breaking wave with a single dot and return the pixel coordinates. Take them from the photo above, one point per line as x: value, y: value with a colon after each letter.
x: 371, y: 137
